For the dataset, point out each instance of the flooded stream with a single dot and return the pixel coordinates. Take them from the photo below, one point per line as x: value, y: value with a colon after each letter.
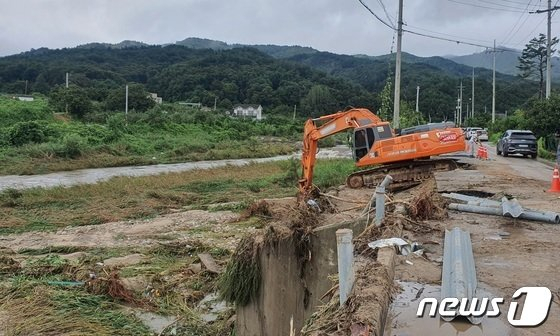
x: 94, y: 175
x: 402, y: 319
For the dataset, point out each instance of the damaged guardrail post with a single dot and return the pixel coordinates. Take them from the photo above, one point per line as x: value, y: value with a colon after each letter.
x: 542, y: 216
x: 345, y: 250
x: 380, y: 199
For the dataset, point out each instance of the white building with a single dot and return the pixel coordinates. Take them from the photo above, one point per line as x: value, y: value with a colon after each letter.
x: 247, y: 111
x: 24, y: 98
x: 155, y: 97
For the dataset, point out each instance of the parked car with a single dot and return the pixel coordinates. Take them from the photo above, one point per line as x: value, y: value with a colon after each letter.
x: 517, y: 142
x: 482, y: 135
x: 479, y: 132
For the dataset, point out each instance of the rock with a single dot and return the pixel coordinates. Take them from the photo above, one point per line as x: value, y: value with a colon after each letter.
x: 157, y: 323
x: 209, y: 262
x: 129, y: 260
x: 137, y: 284
x: 74, y: 257
x: 194, y: 268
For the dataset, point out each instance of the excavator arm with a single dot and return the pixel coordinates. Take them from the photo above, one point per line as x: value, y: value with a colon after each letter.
x: 322, y: 127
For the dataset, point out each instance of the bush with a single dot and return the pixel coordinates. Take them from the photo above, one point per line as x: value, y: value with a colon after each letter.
x: 72, y: 146
x: 542, y: 152
x: 117, y: 127
x: 494, y: 138
x: 26, y: 132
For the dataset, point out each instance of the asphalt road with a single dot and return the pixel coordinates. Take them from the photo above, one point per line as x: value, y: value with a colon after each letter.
x: 523, y: 166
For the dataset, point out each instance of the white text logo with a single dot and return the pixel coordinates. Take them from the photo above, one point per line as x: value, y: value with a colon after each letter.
x: 534, y: 312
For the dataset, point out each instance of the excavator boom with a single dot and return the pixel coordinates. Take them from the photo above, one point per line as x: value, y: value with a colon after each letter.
x: 329, y: 125
x: 375, y: 144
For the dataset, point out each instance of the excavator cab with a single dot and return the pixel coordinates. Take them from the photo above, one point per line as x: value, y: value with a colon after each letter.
x: 364, y: 137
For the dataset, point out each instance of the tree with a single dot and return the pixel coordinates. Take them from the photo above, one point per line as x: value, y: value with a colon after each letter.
x: 73, y: 97
x: 532, y: 62
x: 318, y: 101
x: 543, y: 116
x: 409, y: 117
x: 386, y: 109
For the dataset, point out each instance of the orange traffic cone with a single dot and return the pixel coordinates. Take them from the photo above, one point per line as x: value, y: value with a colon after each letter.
x: 484, y: 153
x: 479, y: 152
x: 555, y: 187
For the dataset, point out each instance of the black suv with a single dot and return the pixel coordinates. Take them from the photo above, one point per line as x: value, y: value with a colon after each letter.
x: 517, y: 142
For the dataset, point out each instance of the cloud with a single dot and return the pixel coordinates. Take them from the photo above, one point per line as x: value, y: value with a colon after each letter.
x: 332, y: 25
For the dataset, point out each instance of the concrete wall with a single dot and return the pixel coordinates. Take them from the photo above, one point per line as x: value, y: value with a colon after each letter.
x: 282, y: 294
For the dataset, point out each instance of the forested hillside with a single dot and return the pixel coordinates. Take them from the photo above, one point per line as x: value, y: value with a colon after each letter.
x: 438, y: 78
x: 506, y: 62
x: 277, y: 77
x: 239, y: 75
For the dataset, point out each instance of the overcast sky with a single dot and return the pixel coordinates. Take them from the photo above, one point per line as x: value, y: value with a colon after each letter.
x: 340, y: 26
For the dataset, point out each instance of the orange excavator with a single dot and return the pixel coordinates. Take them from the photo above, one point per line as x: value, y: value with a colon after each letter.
x: 406, y: 157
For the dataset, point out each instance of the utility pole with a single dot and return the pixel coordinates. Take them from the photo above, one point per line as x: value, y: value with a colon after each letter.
x: 126, y: 104
x: 456, y: 119
x: 472, y: 94
x: 397, y: 100
x: 461, y: 104
x: 548, y: 44
x: 494, y: 84
x: 417, y: 96
x: 548, y: 47
x: 67, y: 92
x: 25, y: 87
x: 294, y: 116
x: 215, y: 101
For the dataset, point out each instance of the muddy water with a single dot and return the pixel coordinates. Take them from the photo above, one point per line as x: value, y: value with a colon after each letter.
x: 88, y: 176
x: 402, y: 319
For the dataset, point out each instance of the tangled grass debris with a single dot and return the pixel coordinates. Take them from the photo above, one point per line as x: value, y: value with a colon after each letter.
x: 241, y: 280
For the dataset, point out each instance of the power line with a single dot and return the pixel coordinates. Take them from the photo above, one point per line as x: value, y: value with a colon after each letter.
x: 531, y: 33
x: 386, y: 13
x: 503, y: 6
x: 480, y: 6
x: 377, y: 17
x: 537, y: 26
x: 509, y: 35
x: 516, y: 2
x: 455, y: 41
x: 449, y: 35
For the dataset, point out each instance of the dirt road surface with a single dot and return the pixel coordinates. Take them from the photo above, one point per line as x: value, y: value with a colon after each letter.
x: 509, y: 254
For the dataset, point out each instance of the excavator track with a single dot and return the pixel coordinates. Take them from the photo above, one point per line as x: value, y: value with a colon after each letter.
x: 405, y: 174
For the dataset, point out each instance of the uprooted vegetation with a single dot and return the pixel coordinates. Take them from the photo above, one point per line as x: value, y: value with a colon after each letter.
x: 241, y: 280
x: 363, y: 312
x: 84, y: 296
x: 127, y: 198
x: 163, y: 272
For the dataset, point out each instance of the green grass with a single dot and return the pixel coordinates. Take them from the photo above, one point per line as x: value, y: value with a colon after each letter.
x: 40, y: 310
x: 34, y: 141
x: 542, y: 152
x: 332, y: 172
x: 125, y: 198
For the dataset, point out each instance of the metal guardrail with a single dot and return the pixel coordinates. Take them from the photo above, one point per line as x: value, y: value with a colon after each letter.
x: 458, y: 279
x: 507, y: 208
